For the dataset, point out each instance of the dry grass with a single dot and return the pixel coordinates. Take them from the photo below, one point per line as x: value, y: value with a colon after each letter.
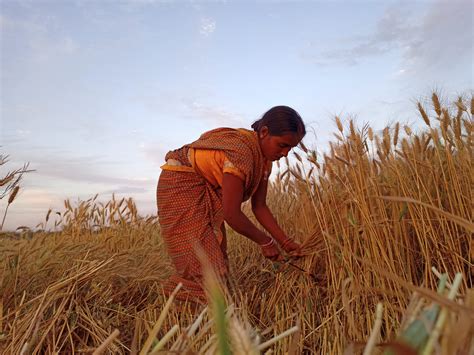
x: 376, y: 215
x: 10, y: 184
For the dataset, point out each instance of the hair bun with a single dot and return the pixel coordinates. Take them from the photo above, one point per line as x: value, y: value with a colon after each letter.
x: 281, y: 120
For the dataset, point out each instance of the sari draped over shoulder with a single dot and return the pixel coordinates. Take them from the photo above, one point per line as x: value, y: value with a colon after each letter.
x: 190, y: 208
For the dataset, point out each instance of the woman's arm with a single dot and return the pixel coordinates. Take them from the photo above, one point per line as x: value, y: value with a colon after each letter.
x: 232, y: 196
x: 267, y: 220
x: 264, y: 215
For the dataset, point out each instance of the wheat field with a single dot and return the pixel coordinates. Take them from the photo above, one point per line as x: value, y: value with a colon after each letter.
x: 386, y: 223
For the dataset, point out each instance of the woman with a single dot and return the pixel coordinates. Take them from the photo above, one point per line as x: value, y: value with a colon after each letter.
x: 204, y: 184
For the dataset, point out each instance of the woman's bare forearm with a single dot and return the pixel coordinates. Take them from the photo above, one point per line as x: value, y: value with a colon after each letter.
x: 239, y: 222
x: 267, y: 220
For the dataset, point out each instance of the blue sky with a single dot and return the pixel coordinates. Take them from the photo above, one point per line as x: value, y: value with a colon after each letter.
x: 93, y: 93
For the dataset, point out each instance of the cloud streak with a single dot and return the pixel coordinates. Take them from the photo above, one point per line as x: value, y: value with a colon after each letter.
x: 84, y: 170
x: 190, y: 106
x: 215, y: 115
x: 125, y: 190
x: 89, y: 169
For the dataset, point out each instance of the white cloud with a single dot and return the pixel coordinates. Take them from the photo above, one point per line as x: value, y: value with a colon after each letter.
x: 216, y: 115
x: 189, y: 105
x: 437, y: 38
x: 23, y: 133
x: 399, y: 73
x: 445, y: 33
x: 207, y: 26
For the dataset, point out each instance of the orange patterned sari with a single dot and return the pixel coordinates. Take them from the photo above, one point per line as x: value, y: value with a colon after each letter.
x: 190, y: 208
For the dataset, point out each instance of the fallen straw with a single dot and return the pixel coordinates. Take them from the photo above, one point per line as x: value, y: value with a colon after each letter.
x: 165, y: 339
x: 374, y: 335
x: 159, y: 322
x: 272, y: 341
x: 106, y: 342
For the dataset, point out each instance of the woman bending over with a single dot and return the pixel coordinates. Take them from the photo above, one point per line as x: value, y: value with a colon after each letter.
x: 204, y: 183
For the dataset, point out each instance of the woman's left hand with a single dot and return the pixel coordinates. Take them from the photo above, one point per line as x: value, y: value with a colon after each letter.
x: 291, y: 247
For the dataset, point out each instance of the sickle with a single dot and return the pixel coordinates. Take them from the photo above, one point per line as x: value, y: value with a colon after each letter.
x: 313, y: 276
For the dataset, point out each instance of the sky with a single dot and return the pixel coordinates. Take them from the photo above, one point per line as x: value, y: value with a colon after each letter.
x: 94, y: 93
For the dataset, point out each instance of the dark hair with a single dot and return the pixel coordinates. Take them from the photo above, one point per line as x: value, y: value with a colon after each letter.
x: 281, y: 120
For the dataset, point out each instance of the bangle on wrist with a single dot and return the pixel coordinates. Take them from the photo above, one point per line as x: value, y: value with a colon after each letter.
x: 267, y: 244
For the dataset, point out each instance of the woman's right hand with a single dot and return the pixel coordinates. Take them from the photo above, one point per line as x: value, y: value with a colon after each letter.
x: 271, y: 251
